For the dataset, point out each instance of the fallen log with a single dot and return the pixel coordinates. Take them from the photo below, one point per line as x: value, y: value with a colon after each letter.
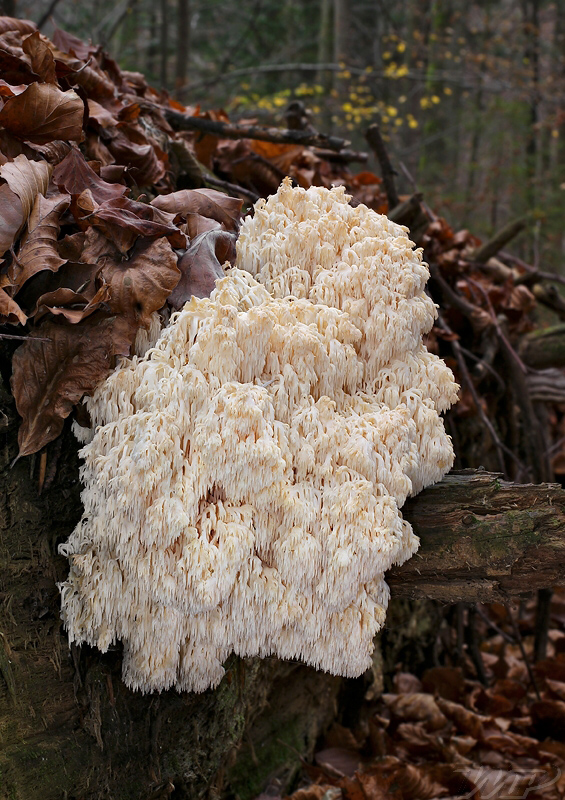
x: 544, y: 348
x: 483, y: 539
x: 232, y: 130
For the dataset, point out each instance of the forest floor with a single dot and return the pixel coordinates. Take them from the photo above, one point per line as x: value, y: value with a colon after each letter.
x: 493, y: 728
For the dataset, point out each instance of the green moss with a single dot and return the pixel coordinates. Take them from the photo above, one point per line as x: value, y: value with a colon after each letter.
x: 276, y: 753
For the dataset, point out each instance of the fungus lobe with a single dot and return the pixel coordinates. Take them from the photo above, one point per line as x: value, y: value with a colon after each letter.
x: 244, y: 480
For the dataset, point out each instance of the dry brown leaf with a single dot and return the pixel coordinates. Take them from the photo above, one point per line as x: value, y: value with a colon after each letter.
x: 43, y: 113
x: 548, y: 719
x: 27, y: 179
x: 68, y: 43
x: 75, y: 175
x: 338, y: 761
x: 406, y: 683
x: 10, y: 310
x: 447, y: 682
x: 11, y: 217
x: 50, y: 377
x: 467, y: 722
x: 42, y: 61
x: 23, y: 26
x: 197, y: 224
x: 100, y: 114
x: 119, y: 215
x: 131, y: 148
x: 70, y: 304
x: 201, y: 265
x: 38, y: 249
x: 7, y: 90
x: 417, y: 707
x: 141, y: 284
x: 206, y: 202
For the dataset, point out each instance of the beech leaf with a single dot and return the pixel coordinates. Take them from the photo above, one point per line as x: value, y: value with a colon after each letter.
x: 23, y: 26
x: 201, y: 265
x: 11, y: 310
x: 206, y: 202
x: 43, y: 113
x: 75, y: 175
x: 42, y: 61
x: 70, y: 304
x: 27, y: 179
x: 11, y: 217
x: 50, y: 377
x: 141, y: 219
x: 38, y: 250
x: 141, y: 284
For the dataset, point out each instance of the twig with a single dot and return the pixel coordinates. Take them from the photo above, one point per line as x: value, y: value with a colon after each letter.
x: 376, y: 143
x: 497, y: 326
x: 232, y: 188
x: 23, y: 338
x: 343, y: 157
x: 42, y: 468
x: 486, y: 365
x: 497, y: 242
x: 50, y: 9
x: 500, y: 446
x: 232, y: 130
x: 518, y: 636
x: 494, y: 626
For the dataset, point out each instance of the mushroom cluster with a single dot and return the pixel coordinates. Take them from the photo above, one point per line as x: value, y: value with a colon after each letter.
x: 243, y: 484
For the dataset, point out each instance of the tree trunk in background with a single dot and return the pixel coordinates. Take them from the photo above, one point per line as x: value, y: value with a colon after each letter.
x: 183, y: 43
x: 530, y: 21
x: 8, y: 8
x: 325, y: 78
x: 164, y: 48
x: 151, y: 65
x: 341, y: 42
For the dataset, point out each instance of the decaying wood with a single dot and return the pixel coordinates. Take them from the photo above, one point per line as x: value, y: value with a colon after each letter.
x: 544, y: 348
x: 376, y: 143
x: 498, y: 241
x: 231, y: 130
x: 483, y: 539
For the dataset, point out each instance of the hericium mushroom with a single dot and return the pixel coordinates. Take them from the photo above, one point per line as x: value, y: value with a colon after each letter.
x: 244, y: 478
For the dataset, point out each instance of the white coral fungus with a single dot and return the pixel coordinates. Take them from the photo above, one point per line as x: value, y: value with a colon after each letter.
x: 244, y: 482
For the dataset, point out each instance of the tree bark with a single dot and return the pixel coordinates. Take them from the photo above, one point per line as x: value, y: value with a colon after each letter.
x: 231, y: 130
x: 483, y: 539
x: 544, y: 348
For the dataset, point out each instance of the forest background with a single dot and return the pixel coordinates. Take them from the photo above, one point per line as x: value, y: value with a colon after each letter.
x: 469, y: 95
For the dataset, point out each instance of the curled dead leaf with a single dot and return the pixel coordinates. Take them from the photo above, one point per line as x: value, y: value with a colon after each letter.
x: 27, y: 179
x: 42, y: 61
x: 23, y: 26
x: 56, y: 366
x: 119, y: 215
x: 201, y: 265
x: 71, y: 305
x: 206, y: 202
x: 10, y: 310
x: 416, y: 707
x: 38, y: 249
x: 141, y: 284
x: 74, y: 174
